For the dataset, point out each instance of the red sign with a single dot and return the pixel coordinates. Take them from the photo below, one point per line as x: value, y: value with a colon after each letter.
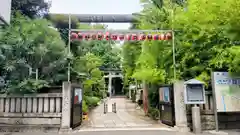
x: 76, y: 99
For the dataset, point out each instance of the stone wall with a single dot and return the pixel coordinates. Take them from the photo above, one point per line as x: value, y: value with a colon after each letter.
x: 29, y: 111
x: 207, y: 120
x: 229, y: 120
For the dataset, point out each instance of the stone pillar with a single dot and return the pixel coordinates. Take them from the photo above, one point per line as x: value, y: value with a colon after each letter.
x: 104, y: 87
x: 110, y: 84
x: 196, y: 120
x: 180, y: 107
x: 66, y: 106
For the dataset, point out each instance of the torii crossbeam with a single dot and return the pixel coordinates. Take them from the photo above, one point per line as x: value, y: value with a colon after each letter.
x: 105, y: 18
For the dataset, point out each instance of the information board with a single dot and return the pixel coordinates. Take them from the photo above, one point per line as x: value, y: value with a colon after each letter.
x: 227, y: 91
x: 195, y: 93
x: 76, y: 108
x: 78, y: 93
x: 164, y: 95
x: 160, y: 94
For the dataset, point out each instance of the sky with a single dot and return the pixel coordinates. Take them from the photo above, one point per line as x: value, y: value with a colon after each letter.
x: 97, y: 7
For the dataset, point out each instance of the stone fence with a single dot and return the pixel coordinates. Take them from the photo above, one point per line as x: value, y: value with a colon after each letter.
x: 30, y: 110
x: 225, y: 120
x: 42, y: 111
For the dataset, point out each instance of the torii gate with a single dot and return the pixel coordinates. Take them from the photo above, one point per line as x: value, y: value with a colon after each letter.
x: 110, y: 76
x: 96, y: 18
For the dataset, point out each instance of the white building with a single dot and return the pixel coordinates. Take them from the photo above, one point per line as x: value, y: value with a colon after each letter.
x: 5, y: 11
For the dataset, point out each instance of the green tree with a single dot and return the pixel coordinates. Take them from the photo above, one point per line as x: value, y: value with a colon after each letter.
x: 204, y: 40
x: 31, y: 44
x: 31, y: 8
x: 84, y: 52
x: 130, y: 54
x: 107, y: 50
x: 93, y: 83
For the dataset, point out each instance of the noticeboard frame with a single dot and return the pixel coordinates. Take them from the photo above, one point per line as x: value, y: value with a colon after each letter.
x: 186, y: 101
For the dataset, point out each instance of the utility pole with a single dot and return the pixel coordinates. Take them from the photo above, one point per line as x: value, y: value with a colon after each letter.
x: 173, y: 43
x: 69, y: 47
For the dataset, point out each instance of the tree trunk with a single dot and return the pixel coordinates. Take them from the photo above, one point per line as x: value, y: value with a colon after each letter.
x: 145, y: 98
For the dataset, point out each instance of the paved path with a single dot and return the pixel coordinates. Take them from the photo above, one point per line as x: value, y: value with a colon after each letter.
x: 117, y: 132
x: 127, y: 116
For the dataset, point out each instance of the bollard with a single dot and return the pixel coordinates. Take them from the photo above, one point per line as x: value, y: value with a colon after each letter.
x: 114, y: 108
x: 105, y: 108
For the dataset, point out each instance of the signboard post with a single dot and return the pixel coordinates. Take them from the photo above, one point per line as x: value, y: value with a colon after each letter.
x: 226, y: 93
x: 194, y: 93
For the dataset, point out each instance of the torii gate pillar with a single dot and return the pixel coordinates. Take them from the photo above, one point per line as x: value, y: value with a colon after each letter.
x: 110, y: 84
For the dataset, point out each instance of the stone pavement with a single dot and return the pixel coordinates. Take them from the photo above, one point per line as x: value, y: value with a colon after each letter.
x: 127, y: 116
x: 115, y: 132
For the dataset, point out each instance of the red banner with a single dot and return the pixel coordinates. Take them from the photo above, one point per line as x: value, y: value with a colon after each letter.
x: 129, y: 37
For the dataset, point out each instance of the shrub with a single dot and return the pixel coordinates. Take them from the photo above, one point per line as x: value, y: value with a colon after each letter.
x: 92, y: 101
x: 27, y: 86
x: 84, y: 107
x: 153, y: 95
x: 98, y: 93
x: 153, y: 113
